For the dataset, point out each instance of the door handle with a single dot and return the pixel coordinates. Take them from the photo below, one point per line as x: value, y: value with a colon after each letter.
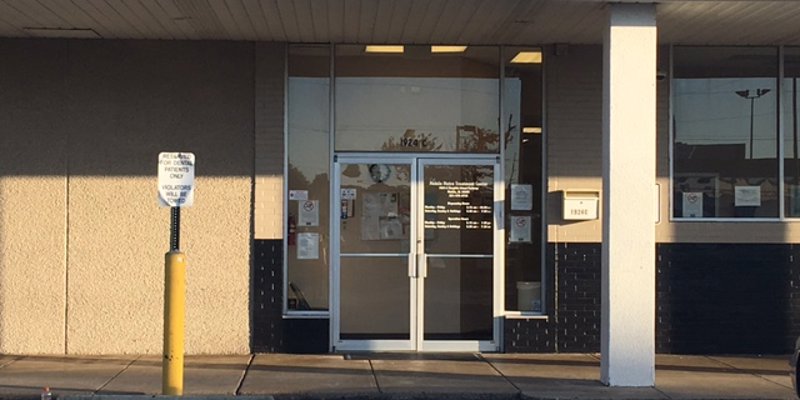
x: 422, y: 265
x: 412, y: 265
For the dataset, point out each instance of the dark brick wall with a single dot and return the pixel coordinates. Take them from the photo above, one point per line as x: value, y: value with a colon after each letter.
x: 710, y: 298
x: 727, y: 298
x: 271, y: 333
x: 267, y: 297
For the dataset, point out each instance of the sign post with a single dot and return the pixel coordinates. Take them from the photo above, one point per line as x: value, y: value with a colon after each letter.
x: 175, y: 190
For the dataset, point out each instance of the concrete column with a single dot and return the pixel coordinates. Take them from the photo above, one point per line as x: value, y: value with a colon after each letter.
x: 629, y: 159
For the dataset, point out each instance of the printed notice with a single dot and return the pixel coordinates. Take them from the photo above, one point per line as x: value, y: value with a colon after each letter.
x: 307, y: 246
x: 298, y: 195
x: 521, y: 197
x: 693, y: 204
x: 747, y: 196
x: 348, y: 193
x: 520, y: 229
x: 308, y: 210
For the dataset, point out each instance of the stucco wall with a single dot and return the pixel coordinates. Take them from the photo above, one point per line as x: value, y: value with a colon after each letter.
x: 101, y: 232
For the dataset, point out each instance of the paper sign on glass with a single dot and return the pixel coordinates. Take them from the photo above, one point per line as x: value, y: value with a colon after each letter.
x: 307, y: 246
x: 693, y: 204
x: 298, y: 195
x: 745, y: 196
x: 308, y: 210
x: 520, y: 229
x: 521, y: 197
x: 348, y: 193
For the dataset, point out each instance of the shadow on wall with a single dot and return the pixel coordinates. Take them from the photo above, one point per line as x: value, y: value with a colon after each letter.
x: 106, y: 108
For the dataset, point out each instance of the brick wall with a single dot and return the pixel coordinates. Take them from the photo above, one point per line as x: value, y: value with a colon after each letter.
x: 727, y: 298
x: 710, y: 299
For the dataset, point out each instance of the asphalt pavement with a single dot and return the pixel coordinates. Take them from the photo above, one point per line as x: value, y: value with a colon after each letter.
x: 393, y: 376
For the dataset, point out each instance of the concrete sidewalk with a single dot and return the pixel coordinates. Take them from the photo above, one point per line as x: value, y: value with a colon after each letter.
x: 390, y: 376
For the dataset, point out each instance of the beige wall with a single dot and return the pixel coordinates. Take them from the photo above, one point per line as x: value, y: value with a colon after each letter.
x: 573, y: 106
x: 574, y: 102
x: 82, y: 250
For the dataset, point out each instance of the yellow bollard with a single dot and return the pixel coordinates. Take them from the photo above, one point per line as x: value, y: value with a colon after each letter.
x: 174, y: 315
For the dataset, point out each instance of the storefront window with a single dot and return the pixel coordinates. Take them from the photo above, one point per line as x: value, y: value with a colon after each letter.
x: 522, y: 105
x: 308, y: 178
x: 791, y: 129
x: 417, y: 99
x: 725, y: 132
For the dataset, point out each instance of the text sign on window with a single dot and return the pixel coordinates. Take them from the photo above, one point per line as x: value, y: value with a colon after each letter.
x: 458, y: 205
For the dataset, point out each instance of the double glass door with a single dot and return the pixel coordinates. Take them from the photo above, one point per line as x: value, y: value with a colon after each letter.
x: 413, y: 253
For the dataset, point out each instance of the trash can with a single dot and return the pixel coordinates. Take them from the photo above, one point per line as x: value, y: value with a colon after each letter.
x: 529, y: 296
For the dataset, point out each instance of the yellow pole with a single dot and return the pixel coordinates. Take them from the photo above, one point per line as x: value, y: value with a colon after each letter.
x: 174, y: 315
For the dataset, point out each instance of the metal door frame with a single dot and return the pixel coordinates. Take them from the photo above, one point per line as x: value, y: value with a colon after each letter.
x: 416, y: 341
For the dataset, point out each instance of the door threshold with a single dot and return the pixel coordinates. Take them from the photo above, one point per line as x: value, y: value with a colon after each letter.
x: 411, y: 355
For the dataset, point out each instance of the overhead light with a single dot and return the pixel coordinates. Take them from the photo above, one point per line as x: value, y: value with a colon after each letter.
x: 448, y: 49
x: 72, y: 33
x: 532, y: 129
x: 373, y: 48
x: 527, y: 57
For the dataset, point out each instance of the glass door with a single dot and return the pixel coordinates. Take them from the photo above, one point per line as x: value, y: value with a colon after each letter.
x: 457, y: 245
x: 374, y: 288
x: 413, y: 261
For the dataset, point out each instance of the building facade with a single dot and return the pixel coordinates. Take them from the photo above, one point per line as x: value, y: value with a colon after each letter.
x: 514, y: 176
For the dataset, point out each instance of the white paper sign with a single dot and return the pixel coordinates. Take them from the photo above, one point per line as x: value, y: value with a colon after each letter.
x: 747, y: 196
x: 693, y: 204
x: 349, y: 194
x: 521, y: 197
x: 308, y: 210
x: 307, y: 246
x: 175, y: 179
x: 520, y: 229
x: 298, y: 195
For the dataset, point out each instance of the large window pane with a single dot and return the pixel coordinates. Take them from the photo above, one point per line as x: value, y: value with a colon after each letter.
x: 308, y: 133
x: 791, y: 118
x: 418, y: 100
x: 725, y: 132
x: 523, y: 176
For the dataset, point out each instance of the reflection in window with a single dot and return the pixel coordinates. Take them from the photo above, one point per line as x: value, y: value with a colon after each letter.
x: 308, y: 178
x: 523, y: 177
x: 791, y: 118
x: 725, y: 132
x: 417, y: 101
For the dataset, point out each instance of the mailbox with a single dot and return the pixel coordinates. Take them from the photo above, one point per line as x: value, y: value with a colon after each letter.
x: 580, y: 204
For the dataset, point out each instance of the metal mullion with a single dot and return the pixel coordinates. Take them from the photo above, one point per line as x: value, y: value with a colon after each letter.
x: 781, y: 142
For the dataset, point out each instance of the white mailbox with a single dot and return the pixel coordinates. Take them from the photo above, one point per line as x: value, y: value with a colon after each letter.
x: 580, y: 204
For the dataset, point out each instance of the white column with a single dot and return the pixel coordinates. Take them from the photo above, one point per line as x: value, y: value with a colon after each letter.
x: 629, y: 159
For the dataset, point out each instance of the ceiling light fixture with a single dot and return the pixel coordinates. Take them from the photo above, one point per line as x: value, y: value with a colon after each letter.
x: 532, y: 129
x: 71, y: 33
x: 448, y: 49
x: 527, y: 57
x: 374, y: 48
